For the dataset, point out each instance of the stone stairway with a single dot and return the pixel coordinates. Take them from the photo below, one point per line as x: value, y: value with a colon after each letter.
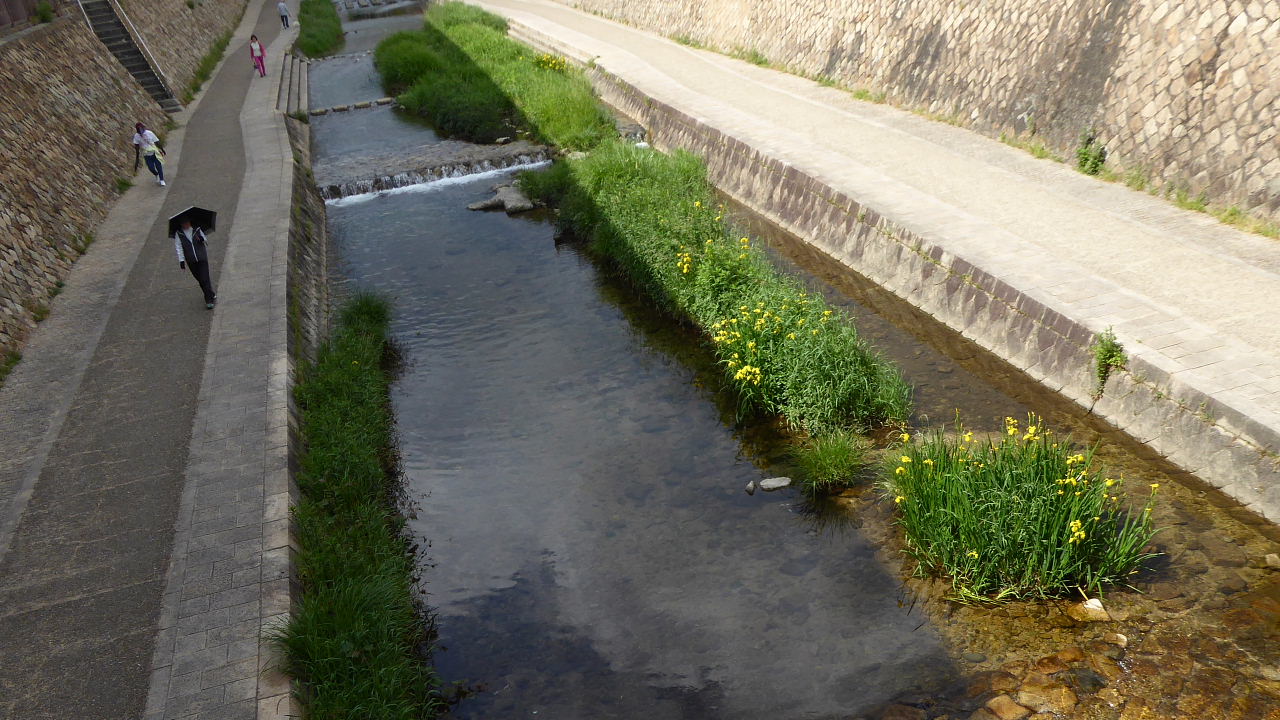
x: 293, y: 95
x: 111, y: 30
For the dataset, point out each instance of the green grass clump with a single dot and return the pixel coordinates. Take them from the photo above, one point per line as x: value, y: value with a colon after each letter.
x: 353, y: 640
x: 830, y: 461
x: 207, y: 64
x: 1023, y: 516
x: 1108, y: 355
x: 9, y: 359
x: 783, y: 350
x: 321, y: 32
x: 469, y: 79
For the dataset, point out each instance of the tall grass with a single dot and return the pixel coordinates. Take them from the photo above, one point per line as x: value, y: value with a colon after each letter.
x: 321, y: 32
x: 353, y: 641
x: 1027, y: 515
x: 207, y: 64
x: 784, y: 351
x: 468, y: 78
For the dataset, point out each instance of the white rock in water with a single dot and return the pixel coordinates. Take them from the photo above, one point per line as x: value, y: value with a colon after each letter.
x: 751, y: 488
x: 1090, y: 610
x: 774, y: 483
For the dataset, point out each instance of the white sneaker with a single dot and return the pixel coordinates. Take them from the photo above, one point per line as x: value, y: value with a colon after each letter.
x: 161, y: 183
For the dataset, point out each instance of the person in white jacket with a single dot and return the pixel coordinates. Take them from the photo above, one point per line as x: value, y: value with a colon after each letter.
x: 193, y: 255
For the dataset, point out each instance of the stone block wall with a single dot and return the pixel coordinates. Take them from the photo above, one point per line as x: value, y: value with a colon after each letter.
x: 66, y: 115
x: 178, y: 36
x: 1185, y: 91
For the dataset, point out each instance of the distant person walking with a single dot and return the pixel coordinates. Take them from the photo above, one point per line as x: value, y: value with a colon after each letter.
x: 146, y: 143
x: 189, y: 242
x: 284, y: 13
x: 259, y: 55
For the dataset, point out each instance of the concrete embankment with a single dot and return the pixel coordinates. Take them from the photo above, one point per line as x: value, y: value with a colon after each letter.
x: 1026, y: 258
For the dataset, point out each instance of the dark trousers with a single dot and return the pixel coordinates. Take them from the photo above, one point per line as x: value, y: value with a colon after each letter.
x: 200, y: 271
x: 284, y: 20
x: 155, y: 166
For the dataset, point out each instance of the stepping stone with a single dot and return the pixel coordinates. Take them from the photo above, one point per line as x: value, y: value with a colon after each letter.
x: 320, y: 111
x: 363, y: 105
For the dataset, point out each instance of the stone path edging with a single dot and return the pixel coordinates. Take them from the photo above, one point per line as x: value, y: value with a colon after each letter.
x: 1218, y: 433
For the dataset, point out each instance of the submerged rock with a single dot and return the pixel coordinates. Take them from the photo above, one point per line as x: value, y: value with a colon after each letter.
x: 774, y: 483
x: 506, y: 197
x: 1090, y: 610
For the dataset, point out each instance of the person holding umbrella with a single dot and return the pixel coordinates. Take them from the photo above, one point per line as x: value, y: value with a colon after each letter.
x: 188, y: 230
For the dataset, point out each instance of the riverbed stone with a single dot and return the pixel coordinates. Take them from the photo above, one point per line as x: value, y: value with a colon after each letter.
x: 1044, y: 694
x: 1084, y: 680
x: 774, y: 483
x: 1232, y: 584
x: 1220, y: 552
x: 1090, y: 610
x: 1116, y: 639
x: 991, y: 681
x: 1004, y: 708
x: 751, y: 487
x: 1273, y: 561
x: 1050, y: 664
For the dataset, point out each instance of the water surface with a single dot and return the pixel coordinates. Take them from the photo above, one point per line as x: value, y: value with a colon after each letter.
x: 592, y: 551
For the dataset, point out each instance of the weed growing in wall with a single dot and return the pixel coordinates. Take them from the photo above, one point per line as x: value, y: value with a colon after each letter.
x: 1091, y: 155
x: 1108, y: 355
x: 1023, y: 515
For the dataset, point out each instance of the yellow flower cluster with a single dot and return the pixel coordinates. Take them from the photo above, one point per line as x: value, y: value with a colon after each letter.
x: 748, y: 373
x: 547, y: 61
x: 684, y: 261
x: 1077, y: 532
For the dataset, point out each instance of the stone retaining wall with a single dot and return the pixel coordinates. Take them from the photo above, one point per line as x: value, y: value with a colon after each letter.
x: 308, y: 289
x: 1187, y: 91
x: 1191, y: 429
x: 67, y: 110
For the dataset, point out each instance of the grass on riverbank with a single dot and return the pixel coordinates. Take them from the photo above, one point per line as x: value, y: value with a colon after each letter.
x: 472, y: 82
x: 353, y: 644
x: 321, y: 32
x: 1027, y: 515
x: 785, y: 352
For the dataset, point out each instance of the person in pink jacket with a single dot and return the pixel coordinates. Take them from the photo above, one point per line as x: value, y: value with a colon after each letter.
x: 259, y: 55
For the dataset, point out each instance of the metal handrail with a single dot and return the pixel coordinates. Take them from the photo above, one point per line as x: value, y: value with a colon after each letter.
x: 138, y: 41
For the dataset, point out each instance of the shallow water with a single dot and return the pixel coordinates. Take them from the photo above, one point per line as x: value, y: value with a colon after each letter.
x: 382, y: 130
x: 593, y: 552
x: 347, y: 79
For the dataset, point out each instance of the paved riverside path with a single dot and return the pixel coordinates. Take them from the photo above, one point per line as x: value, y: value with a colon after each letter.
x: 97, y: 426
x: 1189, y: 297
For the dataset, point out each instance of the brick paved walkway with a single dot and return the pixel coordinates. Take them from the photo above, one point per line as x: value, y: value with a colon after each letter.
x: 143, y: 443
x: 1187, y: 296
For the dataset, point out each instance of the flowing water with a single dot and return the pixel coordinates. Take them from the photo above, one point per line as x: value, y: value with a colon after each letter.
x: 578, y: 482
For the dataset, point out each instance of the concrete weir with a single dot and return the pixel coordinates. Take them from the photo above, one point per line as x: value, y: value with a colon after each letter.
x: 1202, y: 384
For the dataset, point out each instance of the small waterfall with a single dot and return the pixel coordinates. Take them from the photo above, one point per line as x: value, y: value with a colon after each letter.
x: 430, y: 175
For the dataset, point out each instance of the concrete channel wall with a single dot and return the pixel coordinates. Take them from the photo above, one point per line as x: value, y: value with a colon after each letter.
x: 1219, y: 443
x: 1187, y: 91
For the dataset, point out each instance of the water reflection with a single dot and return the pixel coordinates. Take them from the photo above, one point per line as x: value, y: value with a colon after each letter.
x: 594, y: 552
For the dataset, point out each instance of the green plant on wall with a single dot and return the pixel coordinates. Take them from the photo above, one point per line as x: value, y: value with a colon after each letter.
x: 1091, y: 155
x: 1108, y: 355
x: 44, y: 11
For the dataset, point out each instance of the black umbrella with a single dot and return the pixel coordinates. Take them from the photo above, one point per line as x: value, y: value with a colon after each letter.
x: 199, y: 217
